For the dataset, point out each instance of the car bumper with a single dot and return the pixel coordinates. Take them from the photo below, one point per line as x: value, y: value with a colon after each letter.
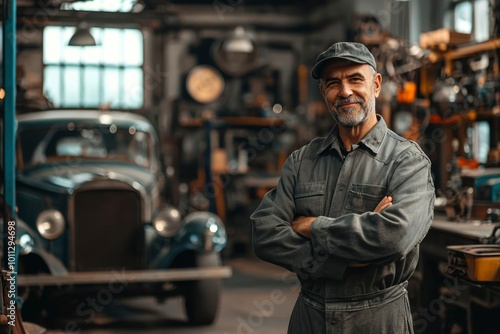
x: 132, y: 276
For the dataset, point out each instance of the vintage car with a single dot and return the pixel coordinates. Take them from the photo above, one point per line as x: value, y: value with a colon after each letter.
x: 92, y: 218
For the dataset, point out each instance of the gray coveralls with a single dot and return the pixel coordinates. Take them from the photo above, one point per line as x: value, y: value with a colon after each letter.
x: 342, y: 192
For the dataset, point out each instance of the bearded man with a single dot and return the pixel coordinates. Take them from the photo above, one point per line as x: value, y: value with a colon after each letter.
x: 350, y: 209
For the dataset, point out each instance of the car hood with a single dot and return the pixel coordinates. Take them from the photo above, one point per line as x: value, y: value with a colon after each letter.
x: 66, y: 178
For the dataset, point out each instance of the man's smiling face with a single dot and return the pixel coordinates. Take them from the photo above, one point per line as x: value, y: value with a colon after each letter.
x: 350, y: 90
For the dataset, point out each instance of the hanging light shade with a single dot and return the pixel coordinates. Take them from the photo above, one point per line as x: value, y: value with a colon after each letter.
x: 82, y: 36
x: 237, y: 54
x: 238, y: 41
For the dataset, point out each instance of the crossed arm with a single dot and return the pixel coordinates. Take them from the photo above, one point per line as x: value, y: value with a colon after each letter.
x: 302, y: 224
x: 323, y: 247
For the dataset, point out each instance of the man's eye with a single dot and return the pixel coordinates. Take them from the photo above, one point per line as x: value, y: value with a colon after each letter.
x: 331, y: 83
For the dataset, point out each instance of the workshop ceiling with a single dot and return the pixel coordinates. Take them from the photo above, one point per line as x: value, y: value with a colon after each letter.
x: 159, y: 4
x: 171, y: 14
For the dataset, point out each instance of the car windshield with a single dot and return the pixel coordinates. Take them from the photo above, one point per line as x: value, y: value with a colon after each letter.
x: 71, y: 142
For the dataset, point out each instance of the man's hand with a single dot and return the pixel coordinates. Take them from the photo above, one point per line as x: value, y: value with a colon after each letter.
x: 302, y: 226
x: 384, y: 203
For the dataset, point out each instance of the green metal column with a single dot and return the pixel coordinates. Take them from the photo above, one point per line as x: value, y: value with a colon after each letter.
x: 9, y: 112
x: 10, y: 249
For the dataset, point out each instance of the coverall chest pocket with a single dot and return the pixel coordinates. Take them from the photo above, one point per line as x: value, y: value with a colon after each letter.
x: 364, y: 197
x: 309, y: 198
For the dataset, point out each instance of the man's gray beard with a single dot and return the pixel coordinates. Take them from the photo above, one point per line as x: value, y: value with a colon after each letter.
x: 350, y: 119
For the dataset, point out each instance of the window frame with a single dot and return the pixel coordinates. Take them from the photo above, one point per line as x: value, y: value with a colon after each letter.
x: 478, y: 33
x: 127, y: 96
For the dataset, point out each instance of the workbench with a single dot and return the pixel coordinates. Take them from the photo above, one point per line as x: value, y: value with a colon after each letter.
x: 447, y: 304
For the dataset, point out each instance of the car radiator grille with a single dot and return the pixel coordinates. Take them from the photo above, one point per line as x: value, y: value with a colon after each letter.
x: 108, y: 232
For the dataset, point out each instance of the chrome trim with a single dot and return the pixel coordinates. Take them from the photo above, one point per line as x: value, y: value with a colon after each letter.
x: 137, y: 276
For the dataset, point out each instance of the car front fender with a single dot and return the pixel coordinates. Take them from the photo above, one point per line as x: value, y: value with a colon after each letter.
x: 30, y: 243
x: 203, y: 232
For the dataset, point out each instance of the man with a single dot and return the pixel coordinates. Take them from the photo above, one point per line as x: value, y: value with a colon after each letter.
x: 349, y: 210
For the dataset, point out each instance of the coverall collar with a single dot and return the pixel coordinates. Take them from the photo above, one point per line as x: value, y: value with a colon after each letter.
x: 373, y: 139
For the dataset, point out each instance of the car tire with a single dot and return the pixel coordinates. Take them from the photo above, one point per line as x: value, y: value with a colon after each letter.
x: 32, y: 307
x: 201, y: 301
x: 201, y: 298
x: 36, y: 306
x: 39, y: 308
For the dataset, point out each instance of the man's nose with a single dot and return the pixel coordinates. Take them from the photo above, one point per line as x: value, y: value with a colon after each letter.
x: 345, y: 90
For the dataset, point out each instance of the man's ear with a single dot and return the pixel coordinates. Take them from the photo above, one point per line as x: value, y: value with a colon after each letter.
x: 377, y: 82
x: 321, y: 89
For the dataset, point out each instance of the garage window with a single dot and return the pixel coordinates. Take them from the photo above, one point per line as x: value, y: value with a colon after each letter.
x: 107, y: 75
x: 470, y: 17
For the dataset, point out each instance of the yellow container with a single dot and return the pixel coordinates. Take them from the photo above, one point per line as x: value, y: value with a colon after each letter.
x: 482, y: 261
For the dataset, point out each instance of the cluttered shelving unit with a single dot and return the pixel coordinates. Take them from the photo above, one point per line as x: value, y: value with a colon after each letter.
x: 240, y: 160
x: 462, y: 83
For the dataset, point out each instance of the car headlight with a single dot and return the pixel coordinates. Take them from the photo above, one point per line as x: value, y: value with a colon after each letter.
x: 26, y: 244
x: 167, y: 221
x: 204, y: 231
x: 50, y: 224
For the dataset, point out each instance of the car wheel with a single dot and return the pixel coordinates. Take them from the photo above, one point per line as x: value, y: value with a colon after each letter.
x: 32, y: 307
x: 201, y: 298
x: 39, y: 308
x: 201, y: 301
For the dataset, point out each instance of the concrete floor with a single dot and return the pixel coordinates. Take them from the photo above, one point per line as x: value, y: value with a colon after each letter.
x: 258, y: 299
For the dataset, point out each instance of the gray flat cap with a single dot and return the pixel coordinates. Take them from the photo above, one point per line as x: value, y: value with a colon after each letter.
x: 355, y: 52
